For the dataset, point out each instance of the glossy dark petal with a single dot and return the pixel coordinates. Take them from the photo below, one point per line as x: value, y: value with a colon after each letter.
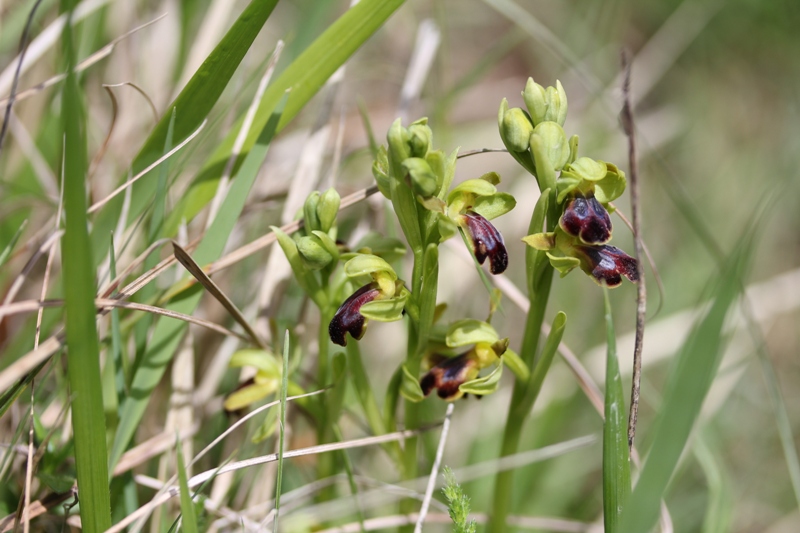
x: 448, y: 375
x: 486, y: 241
x: 348, y: 318
x: 607, y: 264
x: 587, y: 219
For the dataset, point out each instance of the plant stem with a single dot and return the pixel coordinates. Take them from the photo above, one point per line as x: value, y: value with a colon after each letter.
x: 325, y: 461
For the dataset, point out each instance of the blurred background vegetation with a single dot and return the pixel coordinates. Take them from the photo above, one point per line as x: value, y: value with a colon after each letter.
x: 716, y: 88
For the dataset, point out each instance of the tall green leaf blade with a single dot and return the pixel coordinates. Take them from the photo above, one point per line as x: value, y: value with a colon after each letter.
x: 192, y: 106
x: 305, y: 76
x: 168, y: 332
x: 688, y: 384
x: 88, y: 419
x: 616, y: 464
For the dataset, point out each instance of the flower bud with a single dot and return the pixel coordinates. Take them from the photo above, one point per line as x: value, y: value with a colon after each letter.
x: 555, y: 146
x: 516, y: 129
x: 422, y: 179
x: 328, y: 208
x: 419, y: 138
x: 314, y: 255
x: 545, y: 105
x: 310, y: 217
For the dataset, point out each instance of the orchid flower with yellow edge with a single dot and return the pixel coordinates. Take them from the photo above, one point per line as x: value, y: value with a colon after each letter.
x: 382, y: 298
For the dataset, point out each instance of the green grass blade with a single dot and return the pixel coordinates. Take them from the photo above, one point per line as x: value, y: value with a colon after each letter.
x: 88, y: 420
x: 12, y: 243
x: 691, y: 377
x: 305, y: 76
x: 719, y: 510
x: 616, y: 464
x: 168, y: 332
x: 112, y: 392
x: 188, y: 518
x: 284, y: 387
x: 193, y: 105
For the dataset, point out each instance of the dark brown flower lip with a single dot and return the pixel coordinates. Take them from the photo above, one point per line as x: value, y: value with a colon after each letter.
x: 348, y: 318
x: 607, y: 264
x: 447, y: 376
x: 486, y: 242
x: 587, y: 219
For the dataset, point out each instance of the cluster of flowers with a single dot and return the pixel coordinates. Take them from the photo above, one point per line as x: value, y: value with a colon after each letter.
x: 583, y: 187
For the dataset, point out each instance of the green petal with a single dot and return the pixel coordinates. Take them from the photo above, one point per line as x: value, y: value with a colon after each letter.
x: 611, y: 186
x: 485, y: 385
x: 410, y: 388
x: 366, y: 264
x: 493, y: 206
x: 470, y: 331
x: 388, y: 310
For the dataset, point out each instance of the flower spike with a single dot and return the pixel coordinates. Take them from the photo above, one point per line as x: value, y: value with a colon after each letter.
x: 486, y: 241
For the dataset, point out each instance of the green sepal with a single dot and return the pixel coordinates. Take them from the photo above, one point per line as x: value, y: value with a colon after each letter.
x: 388, y: 310
x: 449, y: 173
x: 573, y: 149
x: 388, y: 248
x: 366, y: 265
x: 611, y: 186
x: 409, y: 387
x: 447, y: 228
x: 470, y: 331
x: 248, y: 395
x: 261, y: 360
x: 484, y: 385
x: 423, y: 181
x: 541, y: 241
x: 328, y: 208
x: 515, y: 363
x: 493, y: 206
x: 476, y: 186
x: 563, y: 264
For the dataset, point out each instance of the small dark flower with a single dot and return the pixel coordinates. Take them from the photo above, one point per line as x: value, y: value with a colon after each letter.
x: 587, y: 219
x: 486, y: 241
x: 607, y: 264
x: 348, y: 318
x: 449, y: 374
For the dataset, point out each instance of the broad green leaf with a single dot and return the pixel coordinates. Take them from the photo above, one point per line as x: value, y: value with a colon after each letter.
x: 616, y: 463
x: 88, y: 418
x: 470, y: 331
x: 690, y: 379
x: 410, y: 388
x: 192, y: 106
x: 168, y: 332
x: 485, y: 385
x: 305, y: 76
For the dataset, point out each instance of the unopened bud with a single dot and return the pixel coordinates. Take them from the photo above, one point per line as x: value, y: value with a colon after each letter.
x: 327, y: 209
x: 310, y: 217
x: 313, y: 253
x: 545, y: 104
x: 421, y: 176
x: 516, y: 129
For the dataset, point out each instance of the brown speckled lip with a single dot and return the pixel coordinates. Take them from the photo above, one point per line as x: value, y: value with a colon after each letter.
x: 486, y: 241
x: 348, y: 318
x: 609, y: 264
x: 587, y: 219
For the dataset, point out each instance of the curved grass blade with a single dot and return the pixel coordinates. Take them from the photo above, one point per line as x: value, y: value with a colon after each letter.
x: 168, y: 333
x: 88, y: 418
x: 193, y: 105
x: 188, y: 518
x: 305, y: 76
x: 616, y: 463
x: 691, y: 377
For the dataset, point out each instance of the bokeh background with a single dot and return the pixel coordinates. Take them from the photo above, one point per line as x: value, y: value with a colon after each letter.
x: 716, y: 94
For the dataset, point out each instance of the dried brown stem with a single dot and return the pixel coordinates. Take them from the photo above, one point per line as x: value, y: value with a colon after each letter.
x: 641, y: 293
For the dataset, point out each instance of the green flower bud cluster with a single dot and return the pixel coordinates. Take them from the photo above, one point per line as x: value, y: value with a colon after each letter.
x: 317, y: 247
x: 576, y: 191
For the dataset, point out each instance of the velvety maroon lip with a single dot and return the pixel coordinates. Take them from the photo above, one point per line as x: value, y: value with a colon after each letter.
x: 587, y: 219
x: 348, y: 317
x: 609, y: 263
x: 486, y: 242
x: 447, y: 376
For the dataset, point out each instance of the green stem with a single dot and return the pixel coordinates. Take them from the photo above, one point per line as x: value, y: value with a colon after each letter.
x: 325, y: 461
